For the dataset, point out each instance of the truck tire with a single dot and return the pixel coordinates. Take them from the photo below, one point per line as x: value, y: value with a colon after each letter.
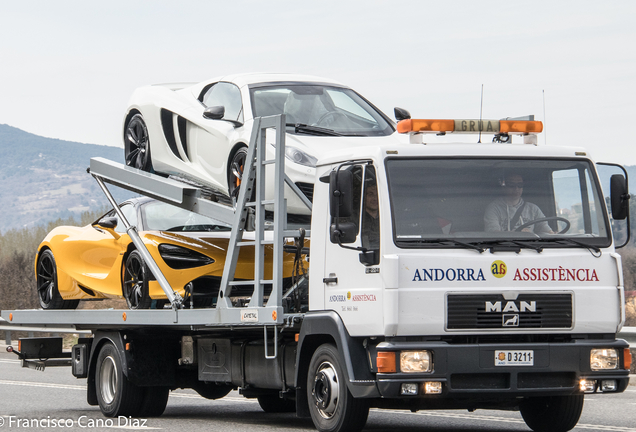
x: 552, y: 414
x: 275, y: 404
x: 115, y: 394
x: 331, y: 405
x: 155, y: 401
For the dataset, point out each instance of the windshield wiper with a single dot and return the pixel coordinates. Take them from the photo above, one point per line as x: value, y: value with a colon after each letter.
x: 313, y: 130
x: 441, y: 241
x: 525, y: 244
x: 596, y: 249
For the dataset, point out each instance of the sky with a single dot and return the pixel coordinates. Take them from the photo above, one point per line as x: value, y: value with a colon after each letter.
x: 67, y: 68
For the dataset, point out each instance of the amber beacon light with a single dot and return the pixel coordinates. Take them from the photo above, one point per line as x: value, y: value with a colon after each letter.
x: 521, y: 127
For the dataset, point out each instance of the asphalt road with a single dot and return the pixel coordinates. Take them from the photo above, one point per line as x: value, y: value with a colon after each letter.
x: 27, y: 395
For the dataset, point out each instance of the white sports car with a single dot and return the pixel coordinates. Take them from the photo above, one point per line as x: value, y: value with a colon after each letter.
x: 201, y: 131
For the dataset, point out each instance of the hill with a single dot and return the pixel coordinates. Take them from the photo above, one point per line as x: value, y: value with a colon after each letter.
x: 43, y: 179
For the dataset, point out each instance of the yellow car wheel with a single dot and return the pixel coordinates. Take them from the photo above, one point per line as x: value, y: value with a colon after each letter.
x: 46, y: 279
x: 135, y: 282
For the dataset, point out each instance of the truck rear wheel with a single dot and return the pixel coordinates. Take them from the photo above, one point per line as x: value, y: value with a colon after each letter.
x: 155, y: 401
x: 331, y: 405
x: 115, y: 394
x: 552, y: 414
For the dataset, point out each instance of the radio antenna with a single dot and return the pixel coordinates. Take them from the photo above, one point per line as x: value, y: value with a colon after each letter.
x: 481, y: 110
x: 545, y: 135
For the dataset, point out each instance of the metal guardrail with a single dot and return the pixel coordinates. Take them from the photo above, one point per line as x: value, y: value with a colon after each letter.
x: 31, y: 330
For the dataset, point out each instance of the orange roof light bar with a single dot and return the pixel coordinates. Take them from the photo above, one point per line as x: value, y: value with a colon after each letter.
x: 521, y: 127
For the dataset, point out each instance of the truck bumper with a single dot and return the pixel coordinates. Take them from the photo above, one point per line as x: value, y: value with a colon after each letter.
x: 469, y: 371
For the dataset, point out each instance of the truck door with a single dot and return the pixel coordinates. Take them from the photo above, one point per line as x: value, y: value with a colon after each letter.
x: 354, y: 289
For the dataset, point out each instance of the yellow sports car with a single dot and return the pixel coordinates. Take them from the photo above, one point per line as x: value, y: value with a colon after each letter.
x: 100, y: 261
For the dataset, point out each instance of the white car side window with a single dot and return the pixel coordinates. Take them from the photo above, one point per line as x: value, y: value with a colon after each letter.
x: 226, y: 95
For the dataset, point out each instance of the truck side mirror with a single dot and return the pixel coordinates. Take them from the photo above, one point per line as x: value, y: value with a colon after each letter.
x: 346, y: 232
x: 341, y: 194
x: 619, y: 197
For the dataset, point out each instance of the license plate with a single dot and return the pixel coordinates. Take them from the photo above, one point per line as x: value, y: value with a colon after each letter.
x: 514, y: 358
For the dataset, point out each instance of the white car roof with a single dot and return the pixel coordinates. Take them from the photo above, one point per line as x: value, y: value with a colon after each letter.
x: 244, y: 79
x: 255, y: 78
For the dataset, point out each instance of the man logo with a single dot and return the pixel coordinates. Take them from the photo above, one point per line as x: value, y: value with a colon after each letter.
x: 509, y: 320
x: 498, y: 269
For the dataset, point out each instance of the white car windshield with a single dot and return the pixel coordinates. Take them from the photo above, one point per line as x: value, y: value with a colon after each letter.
x: 448, y: 202
x: 310, y: 108
x: 160, y: 216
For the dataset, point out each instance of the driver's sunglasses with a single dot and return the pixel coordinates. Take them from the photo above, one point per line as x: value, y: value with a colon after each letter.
x: 511, y: 185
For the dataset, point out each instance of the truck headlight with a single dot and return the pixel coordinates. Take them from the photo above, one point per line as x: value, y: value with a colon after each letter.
x: 602, y: 359
x: 416, y: 361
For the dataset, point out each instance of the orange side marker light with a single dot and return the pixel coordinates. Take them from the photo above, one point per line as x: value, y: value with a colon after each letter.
x: 386, y: 362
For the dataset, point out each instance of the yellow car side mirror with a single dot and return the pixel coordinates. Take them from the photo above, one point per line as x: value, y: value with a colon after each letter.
x: 108, y: 224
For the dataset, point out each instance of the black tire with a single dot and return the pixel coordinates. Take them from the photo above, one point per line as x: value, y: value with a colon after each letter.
x: 212, y: 390
x: 272, y: 403
x: 552, y: 414
x: 331, y: 405
x: 116, y: 395
x: 46, y: 281
x: 154, y: 401
x: 235, y: 171
x: 135, y: 282
x: 137, y: 144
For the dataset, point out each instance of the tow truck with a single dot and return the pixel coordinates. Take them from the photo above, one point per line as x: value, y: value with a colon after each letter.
x: 410, y: 303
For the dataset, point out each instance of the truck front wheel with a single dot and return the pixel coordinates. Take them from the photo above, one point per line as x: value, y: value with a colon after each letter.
x: 115, y: 394
x: 331, y: 405
x: 552, y: 414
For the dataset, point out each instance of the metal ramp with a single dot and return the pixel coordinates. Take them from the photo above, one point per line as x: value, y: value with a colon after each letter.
x: 247, y: 215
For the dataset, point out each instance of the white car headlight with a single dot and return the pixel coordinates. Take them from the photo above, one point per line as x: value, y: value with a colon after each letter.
x: 416, y: 361
x: 300, y: 157
x: 602, y: 359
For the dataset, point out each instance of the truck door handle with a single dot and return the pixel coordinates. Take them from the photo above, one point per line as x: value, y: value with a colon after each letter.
x: 329, y: 280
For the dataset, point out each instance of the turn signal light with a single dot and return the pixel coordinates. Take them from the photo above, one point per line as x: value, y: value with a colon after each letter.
x: 627, y: 359
x: 386, y: 362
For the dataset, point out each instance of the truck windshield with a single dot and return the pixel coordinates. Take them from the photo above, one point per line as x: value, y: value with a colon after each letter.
x: 477, y: 201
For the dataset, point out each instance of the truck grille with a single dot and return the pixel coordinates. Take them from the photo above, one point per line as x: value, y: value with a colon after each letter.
x: 492, y: 311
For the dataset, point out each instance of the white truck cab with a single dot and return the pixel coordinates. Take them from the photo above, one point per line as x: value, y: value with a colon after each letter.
x: 478, y: 275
